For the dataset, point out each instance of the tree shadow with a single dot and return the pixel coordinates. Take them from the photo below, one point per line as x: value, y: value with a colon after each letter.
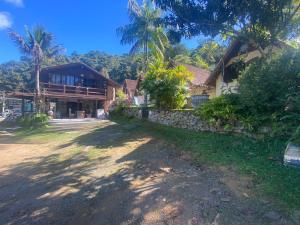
x: 128, y: 185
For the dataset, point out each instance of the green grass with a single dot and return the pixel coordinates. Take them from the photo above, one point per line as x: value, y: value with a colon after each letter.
x: 262, y: 160
x: 43, y: 135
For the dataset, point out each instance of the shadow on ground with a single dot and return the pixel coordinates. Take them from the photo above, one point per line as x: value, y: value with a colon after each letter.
x: 137, y: 180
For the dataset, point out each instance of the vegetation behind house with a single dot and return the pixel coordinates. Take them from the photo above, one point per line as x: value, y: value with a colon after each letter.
x: 268, y: 96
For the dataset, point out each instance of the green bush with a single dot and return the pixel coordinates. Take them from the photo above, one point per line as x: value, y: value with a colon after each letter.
x: 167, y: 86
x: 33, y: 121
x: 219, y: 111
x: 120, y: 105
x: 267, y: 86
x: 296, y: 136
x: 269, y: 95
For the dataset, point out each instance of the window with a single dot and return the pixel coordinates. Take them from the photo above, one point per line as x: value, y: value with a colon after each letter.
x: 70, y: 80
x: 56, y: 78
x: 64, y: 79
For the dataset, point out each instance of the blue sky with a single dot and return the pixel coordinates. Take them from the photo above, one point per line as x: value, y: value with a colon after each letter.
x: 79, y: 25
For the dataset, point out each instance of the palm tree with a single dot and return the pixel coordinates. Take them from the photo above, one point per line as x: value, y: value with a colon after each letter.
x: 144, y: 32
x: 38, y: 45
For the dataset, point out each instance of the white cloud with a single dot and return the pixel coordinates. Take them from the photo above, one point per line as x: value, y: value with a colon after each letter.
x: 18, y: 3
x: 5, y: 20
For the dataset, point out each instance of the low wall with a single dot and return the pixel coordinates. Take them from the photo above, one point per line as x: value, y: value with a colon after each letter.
x: 179, y: 118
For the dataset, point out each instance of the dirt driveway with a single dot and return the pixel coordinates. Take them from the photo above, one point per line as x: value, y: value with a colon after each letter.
x: 106, y: 173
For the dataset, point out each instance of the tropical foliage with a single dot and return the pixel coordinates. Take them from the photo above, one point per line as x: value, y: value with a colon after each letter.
x: 144, y: 32
x: 19, y: 75
x: 33, y: 121
x: 269, y: 95
x: 37, y: 44
x: 205, y: 56
x: 167, y: 86
x: 262, y: 21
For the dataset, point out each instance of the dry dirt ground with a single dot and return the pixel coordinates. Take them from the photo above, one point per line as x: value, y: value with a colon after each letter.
x: 105, y: 173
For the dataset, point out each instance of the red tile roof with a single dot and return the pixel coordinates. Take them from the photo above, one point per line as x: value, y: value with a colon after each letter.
x: 200, y: 75
x: 131, y: 84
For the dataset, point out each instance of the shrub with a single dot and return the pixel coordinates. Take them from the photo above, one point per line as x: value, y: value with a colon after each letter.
x: 218, y: 110
x: 120, y: 104
x: 167, y: 86
x: 33, y: 121
x: 269, y: 95
x: 266, y: 85
x: 296, y: 136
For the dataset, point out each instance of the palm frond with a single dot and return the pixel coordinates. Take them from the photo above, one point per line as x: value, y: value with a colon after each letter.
x: 136, y: 48
x: 55, y: 50
x: 157, y: 52
x: 20, y: 42
x: 129, y: 33
x: 134, y: 9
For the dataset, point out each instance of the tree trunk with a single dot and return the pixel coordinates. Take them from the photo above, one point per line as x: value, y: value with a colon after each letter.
x: 37, y: 89
x: 145, y: 108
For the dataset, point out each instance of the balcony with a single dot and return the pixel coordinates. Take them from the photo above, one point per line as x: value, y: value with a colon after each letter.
x: 68, y: 91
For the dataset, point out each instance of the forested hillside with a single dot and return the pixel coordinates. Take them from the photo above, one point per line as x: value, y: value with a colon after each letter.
x: 19, y: 74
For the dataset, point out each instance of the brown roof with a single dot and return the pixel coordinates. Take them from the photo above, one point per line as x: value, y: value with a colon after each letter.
x: 82, y: 65
x: 131, y: 84
x: 232, y: 51
x: 200, y: 75
x: 234, y: 46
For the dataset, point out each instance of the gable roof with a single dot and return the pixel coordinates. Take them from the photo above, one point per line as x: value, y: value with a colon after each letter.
x: 83, y: 66
x: 232, y: 51
x: 200, y: 75
x: 130, y: 85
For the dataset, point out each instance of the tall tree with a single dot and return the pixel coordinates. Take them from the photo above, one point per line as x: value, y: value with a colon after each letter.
x: 262, y: 21
x: 144, y: 32
x: 207, y: 54
x: 38, y: 44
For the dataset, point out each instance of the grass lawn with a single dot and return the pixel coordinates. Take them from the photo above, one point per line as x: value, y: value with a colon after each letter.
x: 261, y: 160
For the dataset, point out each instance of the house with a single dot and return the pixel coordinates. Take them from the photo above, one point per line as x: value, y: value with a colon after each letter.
x: 130, y: 88
x: 199, y: 90
x: 74, y: 90
x: 236, y: 58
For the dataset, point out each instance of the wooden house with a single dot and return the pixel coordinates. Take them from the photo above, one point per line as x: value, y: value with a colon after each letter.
x: 238, y: 55
x: 74, y: 90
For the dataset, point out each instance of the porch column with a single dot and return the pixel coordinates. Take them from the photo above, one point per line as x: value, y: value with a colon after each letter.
x: 23, y: 106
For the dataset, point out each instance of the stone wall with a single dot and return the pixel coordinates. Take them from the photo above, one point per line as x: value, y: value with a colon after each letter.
x: 187, y: 120
x: 177, y: 118
x: 181, y: 119
x: 134, y: 112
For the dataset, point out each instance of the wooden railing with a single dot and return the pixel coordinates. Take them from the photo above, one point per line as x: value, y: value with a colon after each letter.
x: 75, y: 90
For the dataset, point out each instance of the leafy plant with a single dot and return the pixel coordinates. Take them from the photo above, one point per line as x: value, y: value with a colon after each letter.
x: 167, y: 86
x: 269, y: 95
x: 296, y: 136
x: 144, y: 32
x: 121, y: 103
x: 220, y: 111
x: 33, y: 121
x: 38, y: 45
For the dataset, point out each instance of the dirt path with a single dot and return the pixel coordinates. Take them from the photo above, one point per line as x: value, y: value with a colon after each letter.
x: 111, y: 175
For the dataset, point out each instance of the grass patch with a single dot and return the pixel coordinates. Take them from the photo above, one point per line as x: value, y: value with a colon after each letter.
x: 261, y: 160
x: 43, y: 135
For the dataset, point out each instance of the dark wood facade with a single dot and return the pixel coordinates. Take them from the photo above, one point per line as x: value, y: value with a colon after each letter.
x: 74, y: 89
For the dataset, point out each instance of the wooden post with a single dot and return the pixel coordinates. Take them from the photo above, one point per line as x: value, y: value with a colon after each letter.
x: 23, y: 105
x: 87, y: 91
x: 64, y: 89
